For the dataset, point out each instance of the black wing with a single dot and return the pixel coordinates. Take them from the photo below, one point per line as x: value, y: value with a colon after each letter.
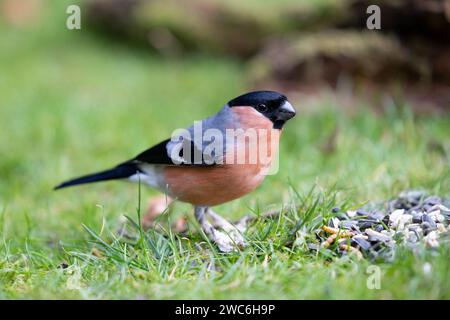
x: 158, y: 155
x: 155, y: 155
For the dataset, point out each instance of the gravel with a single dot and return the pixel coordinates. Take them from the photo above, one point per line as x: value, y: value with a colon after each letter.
x: 414, y: 219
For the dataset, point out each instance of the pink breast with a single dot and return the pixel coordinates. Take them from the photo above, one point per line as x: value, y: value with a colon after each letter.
x: 218, y: 184
x: 210, y: 186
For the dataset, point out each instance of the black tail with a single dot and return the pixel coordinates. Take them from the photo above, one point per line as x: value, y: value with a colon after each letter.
x: 120, y: 172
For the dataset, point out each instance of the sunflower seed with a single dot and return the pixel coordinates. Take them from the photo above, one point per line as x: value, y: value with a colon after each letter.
x: 351, y: 213
x: 433, y: 200
x: 335, y: 209
x: 364, y: 244
x: 377, y: 236
x: 416, y: 216
x: 348, y: 224
x: 376, y: 215
x: 431, y: 239
x: 395, y: 217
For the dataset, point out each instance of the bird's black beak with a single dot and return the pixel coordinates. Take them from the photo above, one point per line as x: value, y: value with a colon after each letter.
x: 285, y: 112
x: 282, y: 115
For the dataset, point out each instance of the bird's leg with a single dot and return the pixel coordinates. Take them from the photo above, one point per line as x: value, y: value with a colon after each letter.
x: 201, y: 218
x: 222, y: 239
x: 234, y: 232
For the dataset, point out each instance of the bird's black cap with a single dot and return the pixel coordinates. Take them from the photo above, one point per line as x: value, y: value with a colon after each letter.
x: 256, y: 97
x: 273, y: 105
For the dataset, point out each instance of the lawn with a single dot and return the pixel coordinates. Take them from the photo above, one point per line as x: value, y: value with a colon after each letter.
x: 72, y: 103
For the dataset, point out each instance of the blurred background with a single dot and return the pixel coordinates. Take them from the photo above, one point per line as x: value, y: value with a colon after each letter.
x: 77, y: 100
x: 74, y: 101
x: 373, y: 105
x: 303, y: 47
x: 299, y: 46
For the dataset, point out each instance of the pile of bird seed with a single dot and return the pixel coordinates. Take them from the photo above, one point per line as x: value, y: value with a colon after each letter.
x: 413, y: 219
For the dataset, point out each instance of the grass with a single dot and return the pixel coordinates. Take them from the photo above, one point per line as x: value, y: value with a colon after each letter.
x: 72, y: 103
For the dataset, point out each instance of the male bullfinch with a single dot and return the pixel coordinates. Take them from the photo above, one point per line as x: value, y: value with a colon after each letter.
x: 209, y: 173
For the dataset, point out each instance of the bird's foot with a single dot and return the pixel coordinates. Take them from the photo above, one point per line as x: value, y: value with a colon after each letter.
x: 224, y: 241
x: 241, y: 224
x: 230, y: 237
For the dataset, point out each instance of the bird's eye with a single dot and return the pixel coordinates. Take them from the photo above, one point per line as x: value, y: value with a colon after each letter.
x: 261, y: 107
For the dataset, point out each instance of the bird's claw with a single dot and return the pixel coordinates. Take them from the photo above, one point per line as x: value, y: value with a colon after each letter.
x: 228, y: 240
x: 230, y: 237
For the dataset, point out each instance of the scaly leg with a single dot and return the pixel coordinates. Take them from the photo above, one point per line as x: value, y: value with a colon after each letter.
x: 224, y: 241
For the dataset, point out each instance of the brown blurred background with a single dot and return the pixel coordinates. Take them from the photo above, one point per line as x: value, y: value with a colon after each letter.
x: 300, y: 46
x: 303, y: 47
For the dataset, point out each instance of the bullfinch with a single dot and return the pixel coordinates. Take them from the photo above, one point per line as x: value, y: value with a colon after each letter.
x: 216, y: 160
